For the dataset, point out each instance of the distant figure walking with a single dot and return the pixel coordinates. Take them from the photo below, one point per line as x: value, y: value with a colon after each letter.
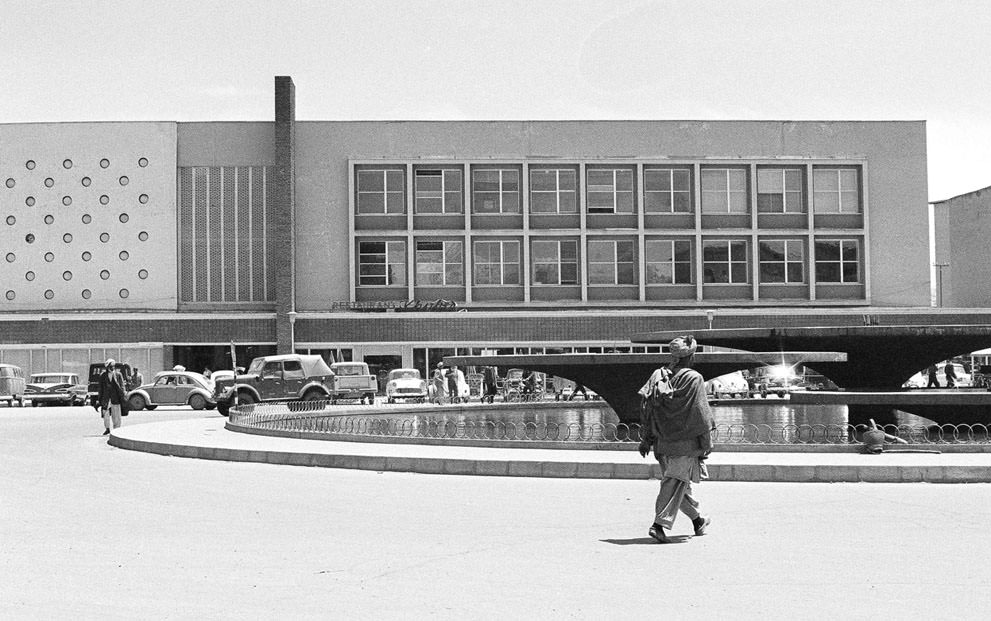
x: 490, y: 383
x: 111, y: 395
x: 439, y: 381
x: 933, y: 378
x: 677, y: 424
x: 579, y: 388
x: 951, y: 375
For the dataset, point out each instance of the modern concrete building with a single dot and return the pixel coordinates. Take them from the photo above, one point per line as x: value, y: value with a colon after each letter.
x: 162, y: 242
x: 962, y: 228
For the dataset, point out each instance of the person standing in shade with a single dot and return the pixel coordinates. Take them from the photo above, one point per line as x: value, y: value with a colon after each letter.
x: 677, y: 424
x: 137, y: 377
x: 111, y: 394
x: 439, y: 381
x: 490, y: 383
x: 951, y: 375
x: 453, y: 392
x: 933, y: 378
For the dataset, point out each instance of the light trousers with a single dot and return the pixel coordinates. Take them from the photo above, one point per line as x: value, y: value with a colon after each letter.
x: 111, y: 413
x: 675, y: 495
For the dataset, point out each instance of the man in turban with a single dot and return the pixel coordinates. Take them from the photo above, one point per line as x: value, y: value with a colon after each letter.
x: 676, y: 423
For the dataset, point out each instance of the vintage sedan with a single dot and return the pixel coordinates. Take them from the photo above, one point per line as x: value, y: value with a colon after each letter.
x: 173, y: 388
x: 55, y: 389
x: 405, y: 384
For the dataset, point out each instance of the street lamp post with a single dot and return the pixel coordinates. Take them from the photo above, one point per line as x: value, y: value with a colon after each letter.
x: 292, y: 331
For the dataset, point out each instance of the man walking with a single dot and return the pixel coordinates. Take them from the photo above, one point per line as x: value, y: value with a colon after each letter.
x: 677, y: 423
x: 111, y: 394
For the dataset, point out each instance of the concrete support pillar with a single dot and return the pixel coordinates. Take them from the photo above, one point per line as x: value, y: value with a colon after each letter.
x: 284, y: 262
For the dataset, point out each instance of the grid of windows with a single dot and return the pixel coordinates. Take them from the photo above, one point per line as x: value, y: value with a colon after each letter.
x: 555, y: 262
x: 837, y: 260
x: 553, y: 190
x: 782, y: 261
x: 724, y: 190
x: 724, y: 261
x: 439, y: 263
x: 836, y: 190
x: 779, y: 190
x: 381, y: 263
x: 667, y: 190
x: 496, y: 262
x: 611, y: 262
x: 610, y: 190
x: 668, y: 261
x: 438, y: 191
x: 381, y: 191
x: 495, y: 190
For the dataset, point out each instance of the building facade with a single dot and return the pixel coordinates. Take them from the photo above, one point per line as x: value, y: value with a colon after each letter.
x: 400, y: 242
x: 961, y: 227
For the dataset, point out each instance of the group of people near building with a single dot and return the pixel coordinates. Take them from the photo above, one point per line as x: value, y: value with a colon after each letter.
x: 448, y: 385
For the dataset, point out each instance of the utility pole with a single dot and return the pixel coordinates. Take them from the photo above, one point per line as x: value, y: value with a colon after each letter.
x: 939, y: 291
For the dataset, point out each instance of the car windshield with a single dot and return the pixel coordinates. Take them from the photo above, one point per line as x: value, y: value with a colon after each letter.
x: 256, y: 366
x: 405, y: 374
x: 350, y: 369
x: 50, y: 379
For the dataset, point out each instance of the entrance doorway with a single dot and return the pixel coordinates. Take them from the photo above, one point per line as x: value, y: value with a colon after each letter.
x: 380, y: 365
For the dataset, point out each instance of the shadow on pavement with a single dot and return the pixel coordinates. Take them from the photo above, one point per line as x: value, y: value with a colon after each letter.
x: 645, y: 540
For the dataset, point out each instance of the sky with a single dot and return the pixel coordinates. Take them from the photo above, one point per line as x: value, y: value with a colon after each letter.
x: 183, y: 60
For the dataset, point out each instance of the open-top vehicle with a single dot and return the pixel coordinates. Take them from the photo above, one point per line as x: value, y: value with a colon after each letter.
x: 286, y: 377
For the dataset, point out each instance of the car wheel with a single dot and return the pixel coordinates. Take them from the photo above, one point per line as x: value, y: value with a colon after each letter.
x: 197, y: 402
x: 245, y: 398
x: 224, y: 408
x: 137, y: 402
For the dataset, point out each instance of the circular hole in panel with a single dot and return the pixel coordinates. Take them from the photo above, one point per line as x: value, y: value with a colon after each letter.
x: 104, y: 163
x: 11, y: 257
x: 49, y: 182
x: 86, y: 181
x: 124, y: 293
x: 87, y: 218
x: 66, y: 200
x: 123, y: 218
x: 87, y: 294
x: 49, y: 257
x: 105, y: 274
x: 11, y: 220
x: 29, y: 164
x: 29, y: 201
x: 10, y: 182
x: 143, y: 199
x: 143, y: 236
x: 124, y: 256
x: 104, y: 199
x: 67, y: 275
x: 49, y: 294
x: 29, y: 276
x: 104, y: 237
x: 143, y: 162
x: 29, y: 238
x: 49, y: 219
x: 67, y: 238
x: 87, y: 256
x: 67, y: 164
x: 123, y: 180
x: 142, y: 274
x: 10, y: 294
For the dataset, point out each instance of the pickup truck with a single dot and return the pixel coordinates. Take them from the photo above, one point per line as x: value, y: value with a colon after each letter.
x: 352, y: 380
x: 286, y: 377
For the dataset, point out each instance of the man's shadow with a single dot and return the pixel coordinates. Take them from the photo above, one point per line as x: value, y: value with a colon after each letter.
x: 646, y: 540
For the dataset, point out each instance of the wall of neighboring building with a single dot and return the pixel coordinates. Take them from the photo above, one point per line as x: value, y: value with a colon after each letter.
x: 962, y: 227
x: 87, y: 214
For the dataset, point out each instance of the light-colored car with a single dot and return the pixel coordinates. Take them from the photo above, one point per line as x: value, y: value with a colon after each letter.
x: 405, y: 384
x: 173, y: 388
x: 11, y: 384
x: 353, y: 380
x: 55, y: 389
x: 921, y: 379
x: 729, y: 385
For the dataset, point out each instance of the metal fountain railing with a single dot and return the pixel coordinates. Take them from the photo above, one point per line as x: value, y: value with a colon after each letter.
x: 315, y: 420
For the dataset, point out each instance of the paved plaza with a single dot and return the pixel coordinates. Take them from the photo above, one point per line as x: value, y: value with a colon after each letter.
x: 91, y: 531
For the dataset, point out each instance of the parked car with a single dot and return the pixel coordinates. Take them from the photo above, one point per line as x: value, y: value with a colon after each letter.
x: 12, y: 384
x: 55, y: 389
x: 921, y: 379
x: 277, y: 378
x: 173, y: 388
x: 353, y: 380
x: 405, y: 384
x: 729, y: 385
x: 779, y: 379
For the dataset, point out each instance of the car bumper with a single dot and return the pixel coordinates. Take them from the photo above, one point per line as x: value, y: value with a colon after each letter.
x: 47, y: 398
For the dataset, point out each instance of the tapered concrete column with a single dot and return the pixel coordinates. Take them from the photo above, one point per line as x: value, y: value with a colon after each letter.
x: 284, y: 261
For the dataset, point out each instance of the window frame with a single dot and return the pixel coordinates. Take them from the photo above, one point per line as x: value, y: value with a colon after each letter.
x: 558, y: 263
x: 384, y: 192
x: 458, y: 274
x: 786, y: 204
x: 784, y: 263
x: 615, y: 262
x: 388, y: 272
x: 444, y: 194
x: 502, y: 244
x: 839, y: 191
x: 614, y: 191
x: 650, y: 172
x: 501, y: 192
x: 673, y: 262
x: 557, y: 192
x: 727, y: 192
x: 729, y: 262
x: 841, y: 262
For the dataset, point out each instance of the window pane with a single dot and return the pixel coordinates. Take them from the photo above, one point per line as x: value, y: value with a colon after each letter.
x: 772, y: 272
x: 568, y: 180
x: 715, y: 252
x: 682, y: 202
x: 428, y: 181
x: 657, y: 202
x: 657, y: 180
x: 658, y: 250
x: 769, y: 181
x: 569, y: 250
x: 793, y: 180
x: 738, y: 251
x: 828, y: 272
x: 827, y: 202
x: 486, y: 180
x: 599, y: 251
x: 737, y: 180
x: 624, y: 252
x: 625, y: 274
x: 370, y: 181
x: 599, y: 274
x: 796, y: 251
x: 543, y: 203
x: 714, y: 202
x: 600, y: 177
x: 850, y: 272
x: 371, y: 203
x: 827, y: 251
x: 825, y: 181
x: 683, y: 251
x: 545, y: 251
x: 569, y: 202
x: 510, y: 202
x: 429, y: 205
x: 600, y: 200
x: 452, y: 180
x: 545, y: 274
x: 511, y: 274
x: 486, y: 202
x: 569, y: 274
x: 396, y: 202
x: 772, y: 250
x: 659, y: 273
x: 739, y: 271
x: 796, y: 272
x: 683, y: 273
x: 716, y: 273
x: 770, y: 203
x: 452, y: 202
x: 545, y: 180
x: 394, y: 180
x: 714, y: 180
x: 849, y: 251
x: 738, y: 202
x: 624, y: 202
x: 624, y: 180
